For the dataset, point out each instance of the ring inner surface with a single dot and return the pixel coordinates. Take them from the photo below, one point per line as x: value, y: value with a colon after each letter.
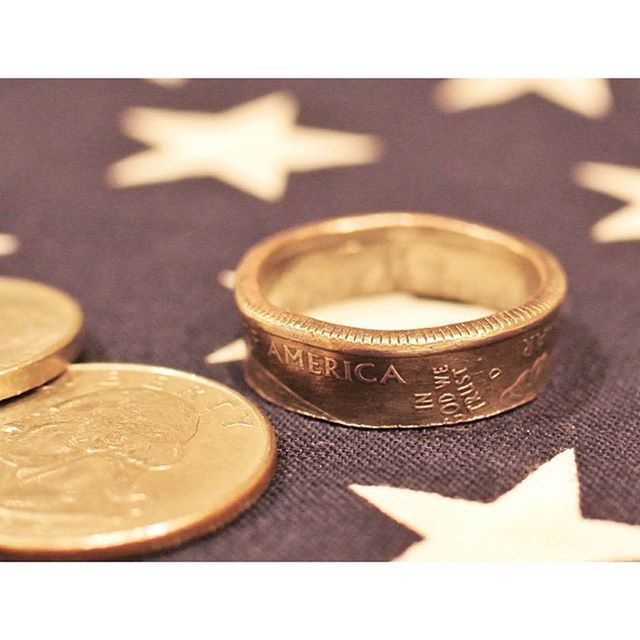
x: 422, y: 261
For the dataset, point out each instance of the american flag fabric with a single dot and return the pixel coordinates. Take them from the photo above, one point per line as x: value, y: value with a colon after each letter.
x: 139, y: 197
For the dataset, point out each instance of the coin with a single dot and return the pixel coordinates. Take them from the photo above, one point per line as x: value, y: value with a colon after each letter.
x: 115, y: 459
x: 39, y: 329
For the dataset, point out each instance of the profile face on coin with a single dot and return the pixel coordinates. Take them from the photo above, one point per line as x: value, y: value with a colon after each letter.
x: 115, y: 459
x: 39, y: 330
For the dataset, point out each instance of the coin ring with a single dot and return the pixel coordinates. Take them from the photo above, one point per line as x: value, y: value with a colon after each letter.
x: 400, y: 378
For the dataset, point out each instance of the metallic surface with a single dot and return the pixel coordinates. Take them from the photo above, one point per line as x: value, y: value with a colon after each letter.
x: 114, y: 459
x: 400, y: 378
x: 39, y: 334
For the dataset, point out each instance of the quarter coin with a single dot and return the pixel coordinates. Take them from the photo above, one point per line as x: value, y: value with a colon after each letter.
x: 39, y: 330
x: 116, y: 459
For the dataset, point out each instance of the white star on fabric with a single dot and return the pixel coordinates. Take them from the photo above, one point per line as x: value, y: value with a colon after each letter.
x: 8, y: 244
x: 168, y: 83
x: 590, y: 97
x: 538, y: 520
x: 253, y: 147
x: 618, y: 182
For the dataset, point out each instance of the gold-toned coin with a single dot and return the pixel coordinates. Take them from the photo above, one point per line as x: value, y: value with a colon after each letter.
x: 39, y: 334
x: 114, y: 459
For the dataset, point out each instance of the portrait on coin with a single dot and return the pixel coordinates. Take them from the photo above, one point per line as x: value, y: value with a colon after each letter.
x: 87, y: 454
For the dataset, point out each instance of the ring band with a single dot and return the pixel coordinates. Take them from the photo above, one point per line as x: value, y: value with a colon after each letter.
x: 400, y: 378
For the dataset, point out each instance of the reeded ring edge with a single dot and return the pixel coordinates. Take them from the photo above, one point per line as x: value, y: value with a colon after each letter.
x: 461, y: 335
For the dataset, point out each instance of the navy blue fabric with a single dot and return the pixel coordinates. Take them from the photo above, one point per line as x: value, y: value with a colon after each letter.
x: 143, y: 263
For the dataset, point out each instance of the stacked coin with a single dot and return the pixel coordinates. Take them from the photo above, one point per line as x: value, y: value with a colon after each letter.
x: 111, y: 459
